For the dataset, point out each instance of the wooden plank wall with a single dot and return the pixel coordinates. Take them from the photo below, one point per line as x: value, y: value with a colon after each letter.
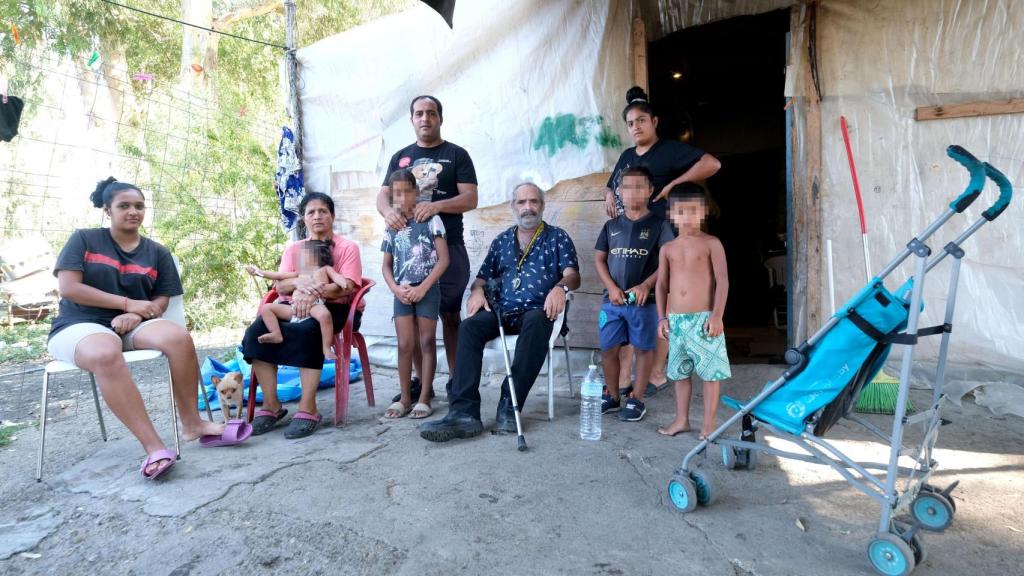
x: 576, y: 205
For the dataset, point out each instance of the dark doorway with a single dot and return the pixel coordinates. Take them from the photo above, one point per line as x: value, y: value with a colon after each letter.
x: 720, y: 87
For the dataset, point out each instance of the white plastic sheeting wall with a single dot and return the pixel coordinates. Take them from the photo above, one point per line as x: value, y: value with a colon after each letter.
x: 509, y: 66
x: 530, y: 88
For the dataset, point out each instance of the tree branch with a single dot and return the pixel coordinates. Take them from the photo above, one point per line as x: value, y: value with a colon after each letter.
x: 230, y: 18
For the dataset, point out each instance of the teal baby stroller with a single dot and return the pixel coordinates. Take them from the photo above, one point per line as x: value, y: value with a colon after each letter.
x: 825, y: 377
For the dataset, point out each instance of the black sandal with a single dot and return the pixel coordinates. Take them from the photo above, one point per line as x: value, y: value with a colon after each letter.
x: 265, y: 420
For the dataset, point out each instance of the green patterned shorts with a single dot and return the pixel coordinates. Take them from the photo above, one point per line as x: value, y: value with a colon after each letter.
x: 691, y: 350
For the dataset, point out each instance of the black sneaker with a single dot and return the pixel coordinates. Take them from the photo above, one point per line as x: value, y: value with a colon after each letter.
x: 609, y: 404
x: 633, y: 412
x: 453, y: 425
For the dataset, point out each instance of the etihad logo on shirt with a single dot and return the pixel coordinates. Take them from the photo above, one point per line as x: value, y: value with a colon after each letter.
x: 630, y: 252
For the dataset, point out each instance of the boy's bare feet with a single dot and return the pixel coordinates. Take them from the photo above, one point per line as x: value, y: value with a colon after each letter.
x: 271, y: 338
x: 675, y: 427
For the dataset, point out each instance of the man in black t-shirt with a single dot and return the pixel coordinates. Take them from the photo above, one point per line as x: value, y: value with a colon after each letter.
x: 447, y: 183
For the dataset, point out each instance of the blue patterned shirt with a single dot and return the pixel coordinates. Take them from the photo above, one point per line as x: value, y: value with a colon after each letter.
x: 526, y: 288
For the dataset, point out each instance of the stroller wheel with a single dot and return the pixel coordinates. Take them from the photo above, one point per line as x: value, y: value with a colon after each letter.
x: 934, y: 490
x: 751, y: 463
x: 890, y: 555
x: 706, y: 492
x: 729, y: 457
x: 682, y: 493
x: 920, y: 552
x: 932, y: 511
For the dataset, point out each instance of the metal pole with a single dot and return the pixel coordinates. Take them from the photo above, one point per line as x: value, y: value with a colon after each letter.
x: 294, y: 106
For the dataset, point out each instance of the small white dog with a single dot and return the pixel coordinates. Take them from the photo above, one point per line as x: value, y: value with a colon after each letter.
x: 230, y: 390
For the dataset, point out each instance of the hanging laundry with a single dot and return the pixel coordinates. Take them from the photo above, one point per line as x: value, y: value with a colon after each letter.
x: 10, y: 117
x: 288, y: 180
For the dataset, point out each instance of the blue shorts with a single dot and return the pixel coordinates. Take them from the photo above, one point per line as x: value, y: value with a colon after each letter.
x: 425, y: 308
x: 628, y: 324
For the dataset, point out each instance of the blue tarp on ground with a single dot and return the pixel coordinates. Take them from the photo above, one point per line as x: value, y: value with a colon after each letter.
x: 288, y: 386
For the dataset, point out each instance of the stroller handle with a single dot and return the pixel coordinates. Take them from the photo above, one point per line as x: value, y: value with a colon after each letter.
x: 977, y: 183
x: 1005, y: 193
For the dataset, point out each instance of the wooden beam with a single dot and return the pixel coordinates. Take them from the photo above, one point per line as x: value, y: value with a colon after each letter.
x: 639, y: 53
x: 804, y: 241
x: 970, y: 109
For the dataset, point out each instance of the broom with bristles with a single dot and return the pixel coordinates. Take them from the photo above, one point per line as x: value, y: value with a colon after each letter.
x: 879, y: 395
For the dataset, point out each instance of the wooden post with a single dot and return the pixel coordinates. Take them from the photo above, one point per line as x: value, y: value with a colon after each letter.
x: 804, y: 238
x: 639, y: 53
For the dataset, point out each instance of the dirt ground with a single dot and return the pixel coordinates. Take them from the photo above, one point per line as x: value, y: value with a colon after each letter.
x: 374, y: 498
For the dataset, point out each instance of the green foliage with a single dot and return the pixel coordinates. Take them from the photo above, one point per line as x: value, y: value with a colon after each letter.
x: 207, y: 159
x: 23, y: 341
x: 217, y: 211
x: 7, y: 432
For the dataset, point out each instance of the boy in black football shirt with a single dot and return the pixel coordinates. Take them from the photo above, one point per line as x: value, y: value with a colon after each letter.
x: 626, y: 258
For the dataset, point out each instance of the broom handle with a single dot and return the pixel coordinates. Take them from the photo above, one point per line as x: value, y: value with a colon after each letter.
x: 860, y: 204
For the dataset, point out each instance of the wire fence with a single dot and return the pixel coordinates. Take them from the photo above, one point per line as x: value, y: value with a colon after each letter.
x: 206, y: 167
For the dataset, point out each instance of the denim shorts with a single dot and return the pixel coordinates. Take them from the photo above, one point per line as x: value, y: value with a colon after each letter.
x: 425, y: 308
x: 628, y: 324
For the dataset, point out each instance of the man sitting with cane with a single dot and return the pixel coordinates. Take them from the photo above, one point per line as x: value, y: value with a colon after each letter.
x: 535, y: 264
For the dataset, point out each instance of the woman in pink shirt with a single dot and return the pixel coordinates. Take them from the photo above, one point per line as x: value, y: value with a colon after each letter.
x: 301, y: 345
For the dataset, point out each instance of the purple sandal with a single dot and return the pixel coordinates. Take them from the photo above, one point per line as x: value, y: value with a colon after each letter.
x: 235, y: 432
x: 157, y: 456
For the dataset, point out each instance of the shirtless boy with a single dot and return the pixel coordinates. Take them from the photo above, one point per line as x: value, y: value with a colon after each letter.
x: 692, y: 286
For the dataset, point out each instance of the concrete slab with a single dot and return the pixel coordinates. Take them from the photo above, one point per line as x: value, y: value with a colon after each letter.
x: 374, y: 498
x: 27, y: 530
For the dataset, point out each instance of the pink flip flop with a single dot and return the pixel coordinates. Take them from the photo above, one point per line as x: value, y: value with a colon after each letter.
x: 235, y: 432
x: 157, y: 456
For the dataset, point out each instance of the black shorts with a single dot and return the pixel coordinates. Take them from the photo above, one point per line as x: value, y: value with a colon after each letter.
x: 454, y: 280
x: 302, y: 345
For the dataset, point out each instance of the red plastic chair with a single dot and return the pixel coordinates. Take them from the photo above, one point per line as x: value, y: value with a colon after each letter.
x: 344, y: 341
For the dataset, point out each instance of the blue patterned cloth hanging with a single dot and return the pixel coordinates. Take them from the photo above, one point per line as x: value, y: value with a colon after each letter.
x: 288, y: 180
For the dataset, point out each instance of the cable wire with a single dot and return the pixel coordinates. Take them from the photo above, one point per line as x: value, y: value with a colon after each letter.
x: 196, y: 25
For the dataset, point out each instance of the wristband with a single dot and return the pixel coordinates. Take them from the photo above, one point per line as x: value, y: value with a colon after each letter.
x: 662, y: 319
x: 125, y: 304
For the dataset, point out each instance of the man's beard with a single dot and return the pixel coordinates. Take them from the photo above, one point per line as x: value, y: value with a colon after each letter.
x: 529, y: 221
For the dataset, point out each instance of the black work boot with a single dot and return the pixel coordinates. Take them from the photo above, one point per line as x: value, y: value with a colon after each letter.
x: 505, y: 416
x: 453, y: 425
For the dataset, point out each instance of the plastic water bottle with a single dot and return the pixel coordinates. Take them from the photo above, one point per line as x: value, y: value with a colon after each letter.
x: 590, y: 404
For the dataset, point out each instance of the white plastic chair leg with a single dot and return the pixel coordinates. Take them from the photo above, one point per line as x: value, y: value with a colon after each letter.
x: 568, y: 365
x: 206, y: 399
x: 96, y: 402
x: 551, y: 386
x: 174, y: 412
x: 42, y: 427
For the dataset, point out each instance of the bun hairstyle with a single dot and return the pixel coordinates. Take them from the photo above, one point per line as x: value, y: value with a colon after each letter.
x: 637, y: 98
x: 105, y: 191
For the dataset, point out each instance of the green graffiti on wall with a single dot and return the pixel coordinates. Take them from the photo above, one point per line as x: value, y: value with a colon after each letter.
x: 560, y: 130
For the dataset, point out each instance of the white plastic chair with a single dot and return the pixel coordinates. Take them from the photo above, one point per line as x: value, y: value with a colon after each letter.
x: 558, y: 330
x: 175, y: 313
